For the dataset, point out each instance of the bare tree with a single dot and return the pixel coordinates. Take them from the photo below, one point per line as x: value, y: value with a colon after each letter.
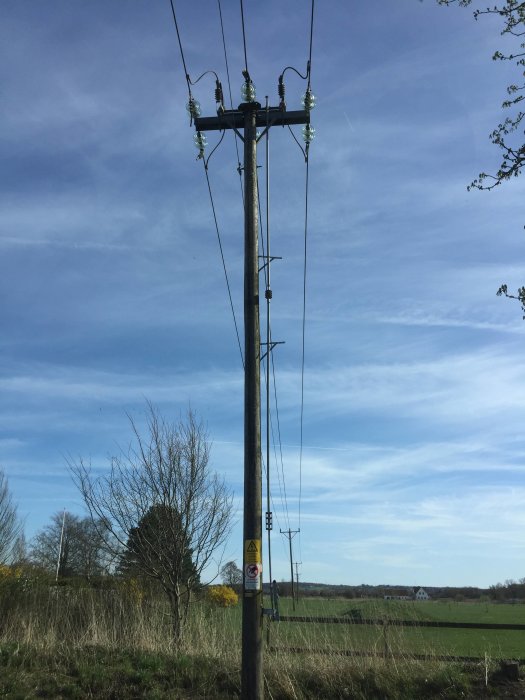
x: 78, y: 547
x: 160, y: 503
x: 19, y: 553
x: 10, y: 525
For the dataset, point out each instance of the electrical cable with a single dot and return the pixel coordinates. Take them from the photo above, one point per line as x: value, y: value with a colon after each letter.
x: 186, y: 74
x: 222, y: 252
x: 189, y: 83
x: 311, y: 43
x: 280, y: 441
x: 269, y: 350
x: 297, y: 142
x: 307, y: 162
x: 244, y: 38
x: 303, y: 340
x: 239, y: 167
x: 281, y: 479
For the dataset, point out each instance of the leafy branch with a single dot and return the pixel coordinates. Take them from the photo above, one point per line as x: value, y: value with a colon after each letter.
x: 505, y: 136
x: 503, y: 291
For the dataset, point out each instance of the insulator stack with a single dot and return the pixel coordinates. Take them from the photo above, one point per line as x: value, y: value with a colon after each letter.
x: 219, y: 97
x: 308, y: 100
x: 282, y: 92
x: 308, y: 134
x: 200, y: 142
x: 193, y: 108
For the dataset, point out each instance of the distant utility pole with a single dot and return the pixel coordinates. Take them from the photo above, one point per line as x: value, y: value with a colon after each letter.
x: 60, y: 545
x: 290, y: 533
x: 248, y: 117
x: 297, y: 564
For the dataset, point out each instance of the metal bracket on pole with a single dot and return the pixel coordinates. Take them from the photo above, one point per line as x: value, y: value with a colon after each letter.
x: 272, y: 258
x: 272, y: 345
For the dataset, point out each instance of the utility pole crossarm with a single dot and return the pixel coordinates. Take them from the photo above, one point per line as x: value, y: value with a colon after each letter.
x: 234, y: 119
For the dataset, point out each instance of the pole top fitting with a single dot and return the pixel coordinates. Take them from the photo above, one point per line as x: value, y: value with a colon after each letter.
x: 249, y: 107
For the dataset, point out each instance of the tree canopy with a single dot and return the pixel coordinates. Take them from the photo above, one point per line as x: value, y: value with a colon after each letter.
x: 231, y: 574
x: 159, y: 542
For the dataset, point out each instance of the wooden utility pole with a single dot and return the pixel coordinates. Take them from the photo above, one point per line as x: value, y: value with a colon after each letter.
x: 290, y: 533
x: 297, y: 563
x: 248, y: 117
x: 252, y: 674
x: 60, y: 545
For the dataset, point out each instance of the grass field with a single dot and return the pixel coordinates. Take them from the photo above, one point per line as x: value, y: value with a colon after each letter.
x: 98, y: 644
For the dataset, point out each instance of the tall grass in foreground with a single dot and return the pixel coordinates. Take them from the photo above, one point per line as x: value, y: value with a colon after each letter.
x: 86, y: 624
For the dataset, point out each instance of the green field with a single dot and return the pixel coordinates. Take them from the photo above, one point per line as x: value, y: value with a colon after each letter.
x: 403, y: 640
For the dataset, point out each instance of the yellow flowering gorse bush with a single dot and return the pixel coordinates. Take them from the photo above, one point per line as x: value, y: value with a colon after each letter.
x: 223, y: 596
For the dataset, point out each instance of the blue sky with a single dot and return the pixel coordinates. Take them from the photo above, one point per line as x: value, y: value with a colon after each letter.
x: 112, y: 290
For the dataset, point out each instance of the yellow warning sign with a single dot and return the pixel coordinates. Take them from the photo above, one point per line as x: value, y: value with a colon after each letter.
x: 252, y: 551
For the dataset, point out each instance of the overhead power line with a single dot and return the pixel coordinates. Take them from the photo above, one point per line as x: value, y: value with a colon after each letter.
x: 244, y: 38
x: 194, y: 110
x: 303, y: 341
x: 180, y: 47
x: 307, y: 180
x: 223, y: 262
x: 239, y: 168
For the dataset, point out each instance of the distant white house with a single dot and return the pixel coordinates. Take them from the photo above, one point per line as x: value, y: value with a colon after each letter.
x: 421, y: 594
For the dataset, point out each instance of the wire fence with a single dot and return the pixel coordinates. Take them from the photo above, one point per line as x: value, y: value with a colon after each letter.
x: 386, y: 627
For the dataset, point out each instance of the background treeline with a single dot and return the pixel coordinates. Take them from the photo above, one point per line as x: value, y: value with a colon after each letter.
x: 501, y: 592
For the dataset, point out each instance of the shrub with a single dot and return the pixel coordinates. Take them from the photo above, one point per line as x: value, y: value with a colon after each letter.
x: 223, y: 596
x: 132, y: 589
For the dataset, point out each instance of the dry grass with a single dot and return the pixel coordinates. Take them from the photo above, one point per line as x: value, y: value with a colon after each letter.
x: 71, y: 623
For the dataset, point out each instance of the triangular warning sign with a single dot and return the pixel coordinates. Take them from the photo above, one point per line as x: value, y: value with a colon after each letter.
x: 252, y: 547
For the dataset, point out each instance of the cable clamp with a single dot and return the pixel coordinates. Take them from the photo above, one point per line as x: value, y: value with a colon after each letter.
x: 269, y: 520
